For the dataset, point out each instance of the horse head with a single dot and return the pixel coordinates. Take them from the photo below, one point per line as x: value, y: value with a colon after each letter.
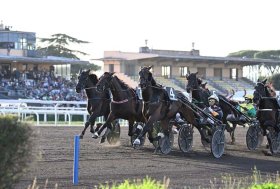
x: 82, y: 80
x: 146, y: 77
x: 260, y: 91
x: 193, y: 82
x: 104, y: 81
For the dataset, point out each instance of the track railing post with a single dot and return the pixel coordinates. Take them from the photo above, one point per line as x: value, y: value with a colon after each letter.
x: 76, y: 160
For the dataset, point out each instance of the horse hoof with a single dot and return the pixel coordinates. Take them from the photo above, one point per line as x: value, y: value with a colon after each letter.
x: 157, y: 150
x: 136, y: 142
x: 95, y: 135
x: 102, y: 140
x: 267, y: 153
x: 81, y: 136
x: 159, y: 136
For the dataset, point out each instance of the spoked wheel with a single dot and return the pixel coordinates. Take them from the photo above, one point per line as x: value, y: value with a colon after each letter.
x: 206, y: 142
x: 166, y: 142
x: 114, y: 136
x: 274, y: 141
x: 185, y: 138
x: 254, y: 137
x: 218, y: 143
x: 137, y: 128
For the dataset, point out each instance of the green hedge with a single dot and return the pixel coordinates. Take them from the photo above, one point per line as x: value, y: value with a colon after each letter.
x: 268, y: 185
x: 15, y: 149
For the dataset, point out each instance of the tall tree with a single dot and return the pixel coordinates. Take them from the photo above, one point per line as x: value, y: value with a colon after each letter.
x: 244, y: 53
x: 58, y: 45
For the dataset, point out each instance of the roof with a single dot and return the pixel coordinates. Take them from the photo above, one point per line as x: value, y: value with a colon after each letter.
x: 50, y: 60
x: 118, y: 55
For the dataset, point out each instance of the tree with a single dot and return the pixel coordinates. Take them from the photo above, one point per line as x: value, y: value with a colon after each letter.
x: 244, y: 53
x: 58, y: 44
x: 272, y: 54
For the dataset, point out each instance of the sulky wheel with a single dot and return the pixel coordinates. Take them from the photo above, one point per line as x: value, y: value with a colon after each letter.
x: 137, y: 129
x: 165, y: 142
x: 185, y: 138
x: 114, y: 136
x: 253, y: 137
x: 274, y: 141
x: 218, y: 143
x: 206, y: 141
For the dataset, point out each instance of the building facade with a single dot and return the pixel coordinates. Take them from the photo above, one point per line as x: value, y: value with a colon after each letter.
x: 170, y: 64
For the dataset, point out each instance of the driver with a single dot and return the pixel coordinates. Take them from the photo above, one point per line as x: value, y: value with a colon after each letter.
x: 248, y: 107
x: 214, y: 107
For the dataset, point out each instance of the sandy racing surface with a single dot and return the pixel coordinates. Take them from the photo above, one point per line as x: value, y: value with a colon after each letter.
x: 101, y: 163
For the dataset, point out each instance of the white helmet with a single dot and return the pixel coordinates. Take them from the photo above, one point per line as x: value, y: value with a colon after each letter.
x: 214, y: 97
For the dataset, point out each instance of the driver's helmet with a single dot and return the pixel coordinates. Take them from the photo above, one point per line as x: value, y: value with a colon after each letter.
x: 249, y: 97
x: 213, y: 97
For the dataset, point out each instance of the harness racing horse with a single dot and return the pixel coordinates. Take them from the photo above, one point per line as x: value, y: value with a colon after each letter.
x: 125, y: 103
x: 98, y: 103
x: 159, y: 106
x: 156, y: 105
x: 268, y: 115
x: 200, y: 96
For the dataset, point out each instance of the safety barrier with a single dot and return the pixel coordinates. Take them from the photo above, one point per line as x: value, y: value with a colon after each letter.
x: 26, y: 107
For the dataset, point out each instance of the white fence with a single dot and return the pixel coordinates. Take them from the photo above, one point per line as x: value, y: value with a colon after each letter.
x: 24, y: 108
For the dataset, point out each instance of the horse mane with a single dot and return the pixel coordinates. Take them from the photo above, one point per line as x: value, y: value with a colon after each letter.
x: 122, y: 83
x: 93, y: 78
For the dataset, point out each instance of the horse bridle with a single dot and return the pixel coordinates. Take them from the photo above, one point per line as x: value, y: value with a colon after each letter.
x: 259, y: 94
x: 146, y: 81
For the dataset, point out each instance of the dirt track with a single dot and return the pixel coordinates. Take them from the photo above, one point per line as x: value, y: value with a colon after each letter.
x: 100, y: 163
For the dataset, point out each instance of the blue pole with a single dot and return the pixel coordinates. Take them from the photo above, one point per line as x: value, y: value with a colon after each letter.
x: 76, y: 160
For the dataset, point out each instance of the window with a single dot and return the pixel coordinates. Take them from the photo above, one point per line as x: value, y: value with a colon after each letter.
x: 218, y: 73
x: 202, y: 72
x: 233, y: 73
x: 111, y: 67
x: 165, y: 71
x: 183, y: 71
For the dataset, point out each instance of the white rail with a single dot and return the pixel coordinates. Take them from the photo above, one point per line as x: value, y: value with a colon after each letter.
x: 26, y: 107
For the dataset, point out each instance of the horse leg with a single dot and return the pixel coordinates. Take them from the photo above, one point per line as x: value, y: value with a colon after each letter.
x: 232, y: 133
x: 130, y: 127
x: 90, y: 122
x: 108, y: 126
x: 84, y: 130
x: 148, y: 127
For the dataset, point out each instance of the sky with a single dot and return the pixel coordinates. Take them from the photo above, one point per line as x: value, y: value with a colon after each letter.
x: 216, y: 27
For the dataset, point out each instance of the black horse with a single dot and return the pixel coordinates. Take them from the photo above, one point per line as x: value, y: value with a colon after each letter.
x: 268, y: 115
x: 98, y: 102
x: 158, y: 106
x: 125, y: 103
x: 200, y: 96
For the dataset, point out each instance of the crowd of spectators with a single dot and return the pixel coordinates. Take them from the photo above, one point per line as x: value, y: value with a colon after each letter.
x: 38, y: 84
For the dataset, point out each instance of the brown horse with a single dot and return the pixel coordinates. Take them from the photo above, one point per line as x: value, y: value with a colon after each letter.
x: 125, y: 103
